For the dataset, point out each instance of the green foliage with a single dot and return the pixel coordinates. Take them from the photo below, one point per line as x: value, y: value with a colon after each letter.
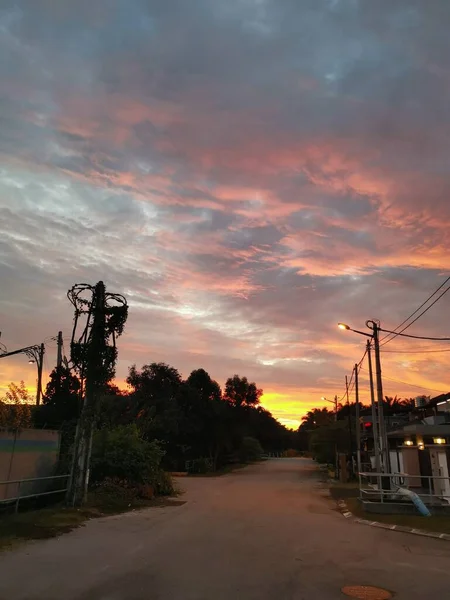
x: 122, y: 453
x: 190, y: 418
x: 250, y: 450
x: 15, y: 409
x: 325, y: 441
x: 61, y: 401
x: 162, y: 483
x: 239, y: 392
x: 200, y: 466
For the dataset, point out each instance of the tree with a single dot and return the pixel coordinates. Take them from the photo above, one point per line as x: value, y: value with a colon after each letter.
x: 61, y: 401
x: 154, y: 399
x: 207, y: 388
x: 239, y: 392
x: 15, y: 410
x: 317, y: 417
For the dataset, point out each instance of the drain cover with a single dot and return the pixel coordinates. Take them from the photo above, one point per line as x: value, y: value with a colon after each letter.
x: 366, y: 592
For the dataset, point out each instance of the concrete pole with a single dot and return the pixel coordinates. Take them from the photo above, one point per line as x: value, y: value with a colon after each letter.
x: 383, y: 436
x: 358, y: 424
x: 376, y: 439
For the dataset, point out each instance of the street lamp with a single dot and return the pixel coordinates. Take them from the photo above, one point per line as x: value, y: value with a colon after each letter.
x: 375, y: 327
x: 35, y: 355
x: 334, y: 402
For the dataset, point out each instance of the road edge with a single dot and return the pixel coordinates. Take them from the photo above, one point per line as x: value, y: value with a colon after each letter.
x: 343, y: 508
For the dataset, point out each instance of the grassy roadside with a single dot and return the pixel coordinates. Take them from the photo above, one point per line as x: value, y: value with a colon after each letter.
x: 349, y: 493
x: 54, y: 521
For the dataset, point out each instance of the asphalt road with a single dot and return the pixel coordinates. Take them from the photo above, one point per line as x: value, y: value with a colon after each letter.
x: 267, y: 532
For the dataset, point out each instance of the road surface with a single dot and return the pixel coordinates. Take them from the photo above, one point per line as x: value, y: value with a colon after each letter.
x: 267, y: 532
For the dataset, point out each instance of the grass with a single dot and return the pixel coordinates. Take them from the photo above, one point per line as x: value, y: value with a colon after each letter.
x: 350, y: 492
x: 439, y: 523
x: 54, y: 521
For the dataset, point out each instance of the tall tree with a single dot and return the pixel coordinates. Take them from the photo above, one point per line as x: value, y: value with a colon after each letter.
x: 62, y: 397
x: 154, y: 399
x: 240, y: 392
x: 207, y: 388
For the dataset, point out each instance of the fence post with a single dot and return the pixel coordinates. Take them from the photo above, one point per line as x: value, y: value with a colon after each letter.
x: 16, y: 508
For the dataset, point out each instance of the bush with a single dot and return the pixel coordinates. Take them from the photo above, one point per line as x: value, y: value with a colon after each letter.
x: 250, y: 450
x: 199, y: 466
x: 121, y: 454
x: 163, y: 484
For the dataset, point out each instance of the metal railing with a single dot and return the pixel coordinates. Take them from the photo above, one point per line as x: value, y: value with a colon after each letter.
x: 384, y: 487
x: 20, y: 483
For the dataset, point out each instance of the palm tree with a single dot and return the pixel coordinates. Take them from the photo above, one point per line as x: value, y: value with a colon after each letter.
x: 317, y: 417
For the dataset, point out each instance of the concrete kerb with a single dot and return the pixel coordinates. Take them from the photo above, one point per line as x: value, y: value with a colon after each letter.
x: 400, y: 528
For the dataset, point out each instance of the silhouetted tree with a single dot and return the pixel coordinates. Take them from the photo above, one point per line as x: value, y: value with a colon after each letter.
x: 240, y: 392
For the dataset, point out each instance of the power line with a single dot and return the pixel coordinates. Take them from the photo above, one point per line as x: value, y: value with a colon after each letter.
x: 418, y: 337
x: 414, y: 351
x: 414, y: 385
x: 417, y: 310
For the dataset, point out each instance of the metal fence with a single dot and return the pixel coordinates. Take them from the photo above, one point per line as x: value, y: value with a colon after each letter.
x: 26, y: 488
x: 384, y: 487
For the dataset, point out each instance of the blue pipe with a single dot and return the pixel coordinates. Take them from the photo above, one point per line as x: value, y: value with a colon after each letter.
x: 416, y: 500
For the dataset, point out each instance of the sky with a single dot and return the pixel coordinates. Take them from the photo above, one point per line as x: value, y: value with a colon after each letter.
x: 247, y: 173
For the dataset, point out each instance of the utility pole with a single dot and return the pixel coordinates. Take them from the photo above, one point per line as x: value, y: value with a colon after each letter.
x: 94, y: 354
x: 383, y: 436
x: 335, y: 408
x: 376, y: 438
x: 350, y: 441
x: 59, y: 341
x: 94, y: 358
x: 358, y: 424
x: 35, y: 355
x: 40, y: 365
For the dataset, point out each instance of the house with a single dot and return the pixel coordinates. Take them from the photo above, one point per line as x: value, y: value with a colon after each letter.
x: 419, y: 446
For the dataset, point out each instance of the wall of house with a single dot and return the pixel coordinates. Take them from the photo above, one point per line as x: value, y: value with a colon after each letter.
x: 411, y: 465
x: 27, y: 454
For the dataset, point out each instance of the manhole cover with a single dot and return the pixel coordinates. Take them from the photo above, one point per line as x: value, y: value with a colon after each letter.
x: 366, y: 592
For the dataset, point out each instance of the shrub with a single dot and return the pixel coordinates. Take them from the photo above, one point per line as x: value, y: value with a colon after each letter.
x: 199, y: 466
x: 121, y: 454
x: 250, y: 450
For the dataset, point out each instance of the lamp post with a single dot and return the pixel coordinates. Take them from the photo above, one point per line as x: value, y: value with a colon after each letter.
x: 334, y: 402
x: 35, y: 354
x: 374, y: 326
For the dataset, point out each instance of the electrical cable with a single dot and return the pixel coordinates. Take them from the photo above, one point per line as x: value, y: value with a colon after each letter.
x: 416, y: 311
x: 418, y: 337
x: 414, y: 351
x: 414, y: 385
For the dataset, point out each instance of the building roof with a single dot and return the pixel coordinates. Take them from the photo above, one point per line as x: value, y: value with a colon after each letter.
x: 422, y: 429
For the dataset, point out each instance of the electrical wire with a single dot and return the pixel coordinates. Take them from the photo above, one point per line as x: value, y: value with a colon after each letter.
x: 386, y: 341
x: 413, y: 385
x: 418, y: 337
x: 414, y: 351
